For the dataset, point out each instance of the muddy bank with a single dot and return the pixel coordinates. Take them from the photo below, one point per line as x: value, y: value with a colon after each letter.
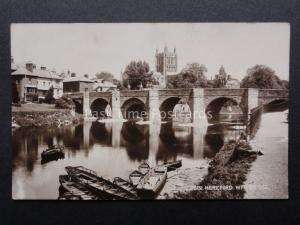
x: 44, y: 119
x: 226, y: 174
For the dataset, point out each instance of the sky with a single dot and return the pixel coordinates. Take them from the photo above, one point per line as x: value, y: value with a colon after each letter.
x: 109, y: 47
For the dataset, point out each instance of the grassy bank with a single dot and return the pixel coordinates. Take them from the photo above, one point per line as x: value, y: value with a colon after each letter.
x: 226, y: 175
x: 41, y: 115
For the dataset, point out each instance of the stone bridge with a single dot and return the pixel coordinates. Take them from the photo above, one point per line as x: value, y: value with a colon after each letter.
x: 200, y: 100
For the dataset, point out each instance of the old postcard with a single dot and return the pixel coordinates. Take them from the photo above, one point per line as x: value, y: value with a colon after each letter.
x: 134, y: 111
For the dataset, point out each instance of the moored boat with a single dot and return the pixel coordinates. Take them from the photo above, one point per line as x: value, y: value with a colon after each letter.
x: 135, y: 177
x: 173, y: 165
x: 125, y: 185
x: 98, y: 185
x: 76, y: 189
x: 55, y: 151
x: 153, y: 181
x: 144, y: 168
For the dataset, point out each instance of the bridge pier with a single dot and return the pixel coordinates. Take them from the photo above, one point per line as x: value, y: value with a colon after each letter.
x: 153, y: 111
x: 199, y: 116
x: 252, y: 99
x: 86, y: 105
x: 116, y: 106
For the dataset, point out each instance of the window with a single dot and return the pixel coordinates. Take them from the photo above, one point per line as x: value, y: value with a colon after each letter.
x: 44, y: 83
x: 86, y: 89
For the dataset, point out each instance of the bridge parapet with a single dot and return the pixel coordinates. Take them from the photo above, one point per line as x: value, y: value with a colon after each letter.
x: 279, y: 93
x: 224, y: 91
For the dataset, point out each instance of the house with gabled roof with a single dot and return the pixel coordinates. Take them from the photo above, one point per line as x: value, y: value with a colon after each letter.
x: 33, y: 83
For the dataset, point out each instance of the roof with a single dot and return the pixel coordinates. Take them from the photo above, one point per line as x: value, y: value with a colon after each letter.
x: 79, y: 79
x: 36, y: 72
x: 23, y: 71
x: 104, y: 83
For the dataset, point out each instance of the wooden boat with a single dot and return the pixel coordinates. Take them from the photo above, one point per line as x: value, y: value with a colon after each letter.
x: 98, y: 185
x: 144, y: 168
x: 173, y: 165
x: 135, y: 177
x: 125, y: 185
x: 68, y: 196
x: 55, y: 151
x: 76, y: 189
x: 153, y: 181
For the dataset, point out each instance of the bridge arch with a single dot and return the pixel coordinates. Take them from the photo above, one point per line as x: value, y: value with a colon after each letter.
x: 276, y: 101
x: 168, y: 105
x: 229, y: 105
x: 133, y: 108
x: 99, y: 108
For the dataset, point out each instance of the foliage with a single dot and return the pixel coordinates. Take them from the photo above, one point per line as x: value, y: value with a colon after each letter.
x: 15, y: 93
x: 136, y: 73
x: 191, y: 76
x: 261, y: 76
x: 64, y: 103
x: 105, y: 76
x: 49, y: 96
x: 32, y: 96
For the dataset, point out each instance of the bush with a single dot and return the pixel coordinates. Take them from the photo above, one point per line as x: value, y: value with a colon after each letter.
x: 64, y: 103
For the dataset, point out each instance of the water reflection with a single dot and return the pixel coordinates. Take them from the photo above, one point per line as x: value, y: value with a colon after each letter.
x: 112, y: 149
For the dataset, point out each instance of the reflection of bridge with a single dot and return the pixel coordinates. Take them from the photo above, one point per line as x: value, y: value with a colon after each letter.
x: 199, y: 100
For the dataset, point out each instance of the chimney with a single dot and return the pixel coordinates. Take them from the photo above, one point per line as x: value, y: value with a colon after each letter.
x: 73, y: 74
x: 86, y: 75
x: 29, y: 66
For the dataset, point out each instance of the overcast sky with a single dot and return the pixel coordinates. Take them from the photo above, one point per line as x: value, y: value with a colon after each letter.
x: 92, y: 48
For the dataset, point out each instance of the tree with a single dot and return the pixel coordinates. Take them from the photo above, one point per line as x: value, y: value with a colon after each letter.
x: 15, y: 93
x: 49, y: 96
x: 135, y: 74
x: 105, y: 76
x: 261, y: 76
x: 64, y: 103
x: 191, y: 76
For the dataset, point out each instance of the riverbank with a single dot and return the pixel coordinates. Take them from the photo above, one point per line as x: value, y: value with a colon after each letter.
x: 226, y: 175
x: 42, y: 115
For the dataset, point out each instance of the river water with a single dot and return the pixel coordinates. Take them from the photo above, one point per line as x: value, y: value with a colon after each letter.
x: 111, y: 149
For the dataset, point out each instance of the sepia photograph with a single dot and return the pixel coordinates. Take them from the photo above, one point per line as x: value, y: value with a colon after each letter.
x: 159, y: 111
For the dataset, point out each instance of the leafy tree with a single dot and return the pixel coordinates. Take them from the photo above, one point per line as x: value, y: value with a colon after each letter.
x: 105, y: 76
x: 15, y: 93
x: 135, y: 74
x: 191, y: 76
x: 261, y: 76
x: 49, y: 96
x: 64, y: 103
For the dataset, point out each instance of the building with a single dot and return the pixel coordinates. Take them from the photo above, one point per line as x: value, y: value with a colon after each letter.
x: 225, y: 80
x: 166, y: 63
x: 77, y: 84
x: 33, y: 83
x: 101, y: 85
x: 232, y: 82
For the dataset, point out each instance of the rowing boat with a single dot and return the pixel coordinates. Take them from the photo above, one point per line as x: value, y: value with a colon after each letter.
x: 153, y: 181
x: 98, y: 185
x: 125, y: 185
x: 135, y: 177
x: 173, y: 165
x: 144, y: 168
x: 75, y: 189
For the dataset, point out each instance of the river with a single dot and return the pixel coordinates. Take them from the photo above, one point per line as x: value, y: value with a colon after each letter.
x: 111, y: 149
